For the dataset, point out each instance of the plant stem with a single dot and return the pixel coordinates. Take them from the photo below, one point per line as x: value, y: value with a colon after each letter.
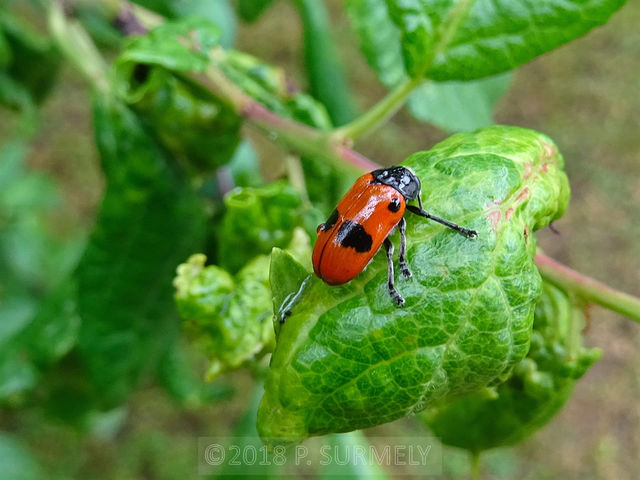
x: 588, y: 288
x: 378, y: 114
x: 76, y: 45
x: 476, y: 466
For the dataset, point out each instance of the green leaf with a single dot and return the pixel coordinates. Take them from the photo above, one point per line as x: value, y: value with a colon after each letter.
x: 529, y: 399
x: 219, y: 12
x: 149, y: 220
x: 227, y: 317
x: 349, y: 358
x: 256, y: 220
x: 189, y: 122
x: 251, y: 10
x: 178, y: 374
x: 379, y: 39
x: 286, y: 275
x: 448, y: 40
x: 18, y: 463
x: 29, y: 58
x: 181, y: 45
x: 458, y: 106
x: 343, y: 446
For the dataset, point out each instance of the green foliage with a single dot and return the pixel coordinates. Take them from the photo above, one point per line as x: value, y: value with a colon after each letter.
x: 418, y: 38
x: 28, y: 62
x: 148, y: 221
x: 251, y: 10
x: 348, y: 358
x: 256, y: 220
x: 183, y: 117
x: 38, y: 323
x: 229, y: 317
x: 539, y: 387
x: 445, y: 42
x: 269, y: 86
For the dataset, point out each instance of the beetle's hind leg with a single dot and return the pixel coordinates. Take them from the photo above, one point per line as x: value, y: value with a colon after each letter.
x: 388, y: 246
x: 402, y: 257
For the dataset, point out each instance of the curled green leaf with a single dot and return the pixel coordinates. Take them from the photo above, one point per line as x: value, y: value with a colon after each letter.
x: 229, y: 317
x: 349, y: 358
x: 539, y: 387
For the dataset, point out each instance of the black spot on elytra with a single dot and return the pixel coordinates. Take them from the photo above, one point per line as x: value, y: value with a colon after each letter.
x: 352, y: 234
x: 394, y: 205
x: 331, y: 221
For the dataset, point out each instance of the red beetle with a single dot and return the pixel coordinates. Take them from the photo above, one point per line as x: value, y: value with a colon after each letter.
x: 362, y: 223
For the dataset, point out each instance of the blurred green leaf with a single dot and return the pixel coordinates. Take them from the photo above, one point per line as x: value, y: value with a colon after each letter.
x: 348, y: 357
x: 178, y: 374
x: 149, y: 220
x: 459, y: 106
x: 346, y: 444
x: 324, y: 71
x: 495, y: 36
x: 256, y: 220
x: 269, y: 86
x: 219, y: 12
x: 537, y: 390
x: 251, y: 10
x: 18, y: 463
x: 34, y: 262
x: 181, y: 45
x: 245, y: 438
x: 29, y: 58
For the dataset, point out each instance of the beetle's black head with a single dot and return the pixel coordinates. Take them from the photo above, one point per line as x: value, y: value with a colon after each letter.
x: 400, y: 178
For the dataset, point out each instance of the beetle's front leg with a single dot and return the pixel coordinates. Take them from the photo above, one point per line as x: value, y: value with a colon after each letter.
x: 392, y: 289
x: 402, y: 257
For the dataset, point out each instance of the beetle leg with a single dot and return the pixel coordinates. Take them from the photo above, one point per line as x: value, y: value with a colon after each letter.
x: 402, y: 257
x: 392, y: 290
x: 423, y: 213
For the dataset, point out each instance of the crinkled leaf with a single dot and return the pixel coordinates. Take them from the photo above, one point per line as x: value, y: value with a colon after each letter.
x: 458, y: 106
x: 348, y: 357
x: 149, y: 220
x: 229, y: 318
x: 256, y: 220
x: 537, y: 390
x: 442, y: 40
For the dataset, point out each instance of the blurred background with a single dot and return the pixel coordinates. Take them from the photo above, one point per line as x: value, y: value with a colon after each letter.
x: 585, y: 96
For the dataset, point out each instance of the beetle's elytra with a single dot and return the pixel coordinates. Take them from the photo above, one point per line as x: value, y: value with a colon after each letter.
x: 362, y: 222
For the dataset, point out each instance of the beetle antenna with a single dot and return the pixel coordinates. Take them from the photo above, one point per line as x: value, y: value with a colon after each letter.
x: 461, y: 230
